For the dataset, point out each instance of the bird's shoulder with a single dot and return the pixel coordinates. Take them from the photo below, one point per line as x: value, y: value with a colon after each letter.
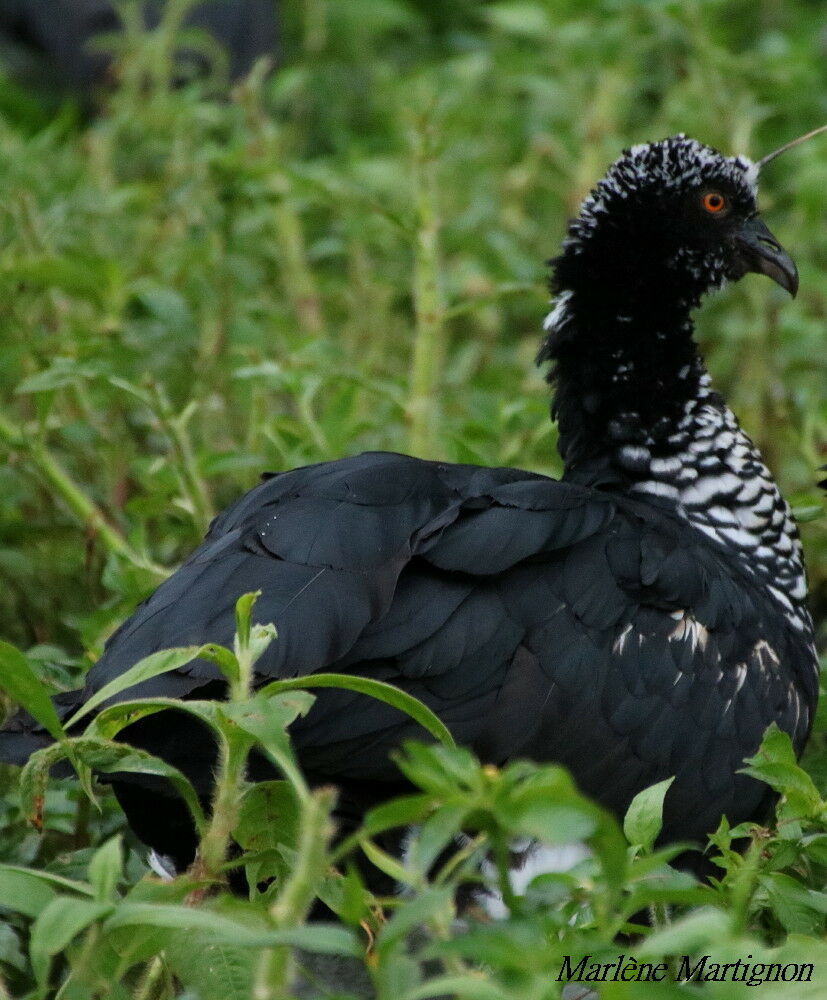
x: 370, y: 557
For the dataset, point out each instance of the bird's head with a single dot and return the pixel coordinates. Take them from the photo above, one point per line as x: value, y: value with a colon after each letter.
x: 673, y: 218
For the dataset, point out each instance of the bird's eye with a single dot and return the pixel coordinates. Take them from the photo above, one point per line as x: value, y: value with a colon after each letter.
x: 714, y: 202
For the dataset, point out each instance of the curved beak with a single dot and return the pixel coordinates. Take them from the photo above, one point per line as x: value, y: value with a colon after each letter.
x: 760, y: 252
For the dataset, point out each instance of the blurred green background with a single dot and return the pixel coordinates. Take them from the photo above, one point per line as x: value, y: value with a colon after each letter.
x: 203, y: 282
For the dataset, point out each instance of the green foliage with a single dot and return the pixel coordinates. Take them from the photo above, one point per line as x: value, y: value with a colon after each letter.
x: 347, y: 255
x: 116, y: 929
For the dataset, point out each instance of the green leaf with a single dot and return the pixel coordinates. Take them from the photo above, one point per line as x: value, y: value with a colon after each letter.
x: 11, y: 953
x: 468, y: 987
x: 267, y: 716
x: 428, y: 904
x: 223, y: 659
x: 150, y: 666
x: 112, y: 719
x: 185, y: 918
x: 213, y: 971
x: 105, y: 869
x: 60, y: 373
x: 326, y: 939
x: 776, y: 764
x: 319, y: 938
x: 34, y: 780
x: 545, y: 805
x: 268, y: 820
x: 268, y: 817
x: 23, y: 892
x: 51, y: 879
x: 693, y: 933
x: 243, y: 618
x: 440, y: 770
x: 62, y: 919
x: 386, y: 863
x: 799, y: 909
x: 375, y: 689
x: 644, y: 817
x: 107, y: 756
x: 260, y: 638
x: 435, y: 834
x: 402, y: 811
x: 19, y: 680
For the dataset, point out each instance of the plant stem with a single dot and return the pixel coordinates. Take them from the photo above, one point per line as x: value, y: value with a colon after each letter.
x: 298, y: 892
x: 229, y: 785
x: 299, y: 282
x: 502, y: 864
x: 423, y: 400
x: 154, y: 976
x: 84, y: 509
x: 189, y: 474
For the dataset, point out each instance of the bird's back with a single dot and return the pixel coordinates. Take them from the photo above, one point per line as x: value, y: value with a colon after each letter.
x: 537, y: 618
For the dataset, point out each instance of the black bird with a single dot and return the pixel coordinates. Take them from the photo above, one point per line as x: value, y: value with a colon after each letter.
x: 641, y: 618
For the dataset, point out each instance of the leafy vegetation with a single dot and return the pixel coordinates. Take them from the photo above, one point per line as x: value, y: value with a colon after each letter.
x: 347, y: 254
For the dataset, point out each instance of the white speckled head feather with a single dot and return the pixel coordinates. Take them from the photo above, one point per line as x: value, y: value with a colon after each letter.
x: 677, y: 162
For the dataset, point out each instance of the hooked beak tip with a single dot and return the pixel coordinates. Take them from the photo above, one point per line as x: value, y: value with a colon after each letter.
x: 760, y: 252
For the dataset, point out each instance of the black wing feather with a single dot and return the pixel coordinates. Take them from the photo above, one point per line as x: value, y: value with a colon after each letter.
x: 535, y: 617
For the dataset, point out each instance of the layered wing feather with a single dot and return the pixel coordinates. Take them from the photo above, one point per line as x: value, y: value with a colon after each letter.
x: 537, y: 618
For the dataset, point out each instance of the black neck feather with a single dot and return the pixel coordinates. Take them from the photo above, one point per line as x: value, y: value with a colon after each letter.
x: 624, y: 361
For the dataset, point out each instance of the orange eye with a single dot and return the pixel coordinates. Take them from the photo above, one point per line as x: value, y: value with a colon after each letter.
x: 714, y: 202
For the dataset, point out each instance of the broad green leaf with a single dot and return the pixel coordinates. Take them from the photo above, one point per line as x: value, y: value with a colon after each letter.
x: 442, y: 770
x: 23, y: 892
x: 213, y: 971
x: 347, y: 896
x: 268, y: 816
x: 51, y: 879
x: 776, y: 764
x: 644, y: 817
x: 267, y: 716
x: 18, y: 679
x: 552, y: 822
x: 375, y: 689
x: 264, y: 718
x: 105, y: 869
x: 268, y: 820
x: 62, y: 919
x: 694, y: 932
x: 150, y: 666
x: 798, y: 908
x: 815, y: 847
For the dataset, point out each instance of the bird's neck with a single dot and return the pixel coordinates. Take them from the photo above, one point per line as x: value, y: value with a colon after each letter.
x: 637, y: 415
x: 623, y: 373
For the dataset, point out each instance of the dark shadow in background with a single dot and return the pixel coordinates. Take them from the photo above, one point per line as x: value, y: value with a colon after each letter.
x: 45, y: 43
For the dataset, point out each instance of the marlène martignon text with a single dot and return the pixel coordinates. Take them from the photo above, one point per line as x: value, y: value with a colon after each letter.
x: 698, y: 968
